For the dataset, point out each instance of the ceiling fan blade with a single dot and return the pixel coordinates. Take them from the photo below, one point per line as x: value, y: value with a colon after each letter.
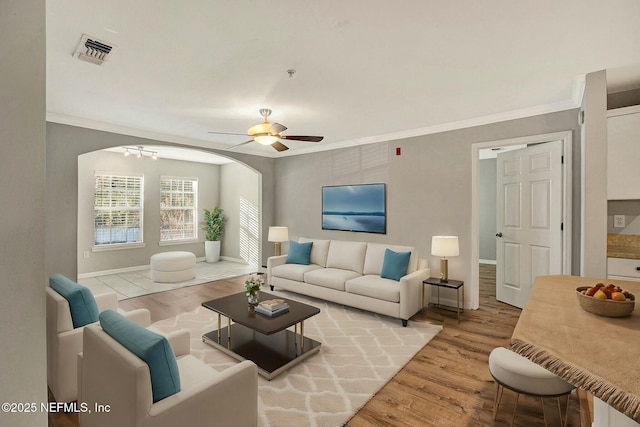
x: 276, y: 128
x: 303, y: 138
x: 279, y: 146
x: 227, y: 133
x: 238, y: 145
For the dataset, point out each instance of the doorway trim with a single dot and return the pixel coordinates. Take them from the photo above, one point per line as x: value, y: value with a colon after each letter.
x: 566, y: 138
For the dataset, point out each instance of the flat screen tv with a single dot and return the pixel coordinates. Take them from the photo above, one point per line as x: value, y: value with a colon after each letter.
x: 355, y: 208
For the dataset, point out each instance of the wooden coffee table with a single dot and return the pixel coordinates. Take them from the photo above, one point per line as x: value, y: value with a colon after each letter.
x: 264, y: 340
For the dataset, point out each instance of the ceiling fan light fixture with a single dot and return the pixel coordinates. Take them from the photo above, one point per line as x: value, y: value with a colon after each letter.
x: 265, y: 139
x: 267, y: 133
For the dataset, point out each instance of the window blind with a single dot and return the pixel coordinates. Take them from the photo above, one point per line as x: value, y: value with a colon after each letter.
x: 178, y: 208
x: 118, y: 204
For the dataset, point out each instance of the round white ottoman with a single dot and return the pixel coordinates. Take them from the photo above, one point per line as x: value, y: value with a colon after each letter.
x: 177, y: 266
x: 521, y: 375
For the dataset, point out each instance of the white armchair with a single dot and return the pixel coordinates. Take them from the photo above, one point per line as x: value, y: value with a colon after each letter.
x: 64, y: 342
x: 112, y: 375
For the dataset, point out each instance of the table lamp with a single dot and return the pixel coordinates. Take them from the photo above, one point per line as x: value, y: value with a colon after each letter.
x: 444, y: 246
x: 278, y: 235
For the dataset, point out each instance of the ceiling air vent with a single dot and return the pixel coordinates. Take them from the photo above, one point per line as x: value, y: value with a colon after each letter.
x: 92, y: 50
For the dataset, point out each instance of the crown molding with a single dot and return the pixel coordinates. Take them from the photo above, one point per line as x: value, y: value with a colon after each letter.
x: 124, y: 130
x: 428, y: 130
x: 575, y: 102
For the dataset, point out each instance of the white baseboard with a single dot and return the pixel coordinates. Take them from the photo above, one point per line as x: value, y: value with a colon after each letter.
x: 488, y: 261
x: 146, y: 267
x: 114, y: 271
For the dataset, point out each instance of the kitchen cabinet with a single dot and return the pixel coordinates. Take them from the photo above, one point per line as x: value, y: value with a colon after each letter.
x: 623, y: 153
x: 623, y: 269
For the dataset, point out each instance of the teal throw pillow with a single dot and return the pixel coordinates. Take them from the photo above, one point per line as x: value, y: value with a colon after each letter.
x: 299, y: 253
x: 395, y: 264
x: 152, y: 348
x: 82, y: 304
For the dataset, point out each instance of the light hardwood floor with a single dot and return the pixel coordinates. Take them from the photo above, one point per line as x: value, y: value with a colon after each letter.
x: 446, y: 384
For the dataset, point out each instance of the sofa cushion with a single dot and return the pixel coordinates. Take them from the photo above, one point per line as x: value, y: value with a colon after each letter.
x: 375, y: 287
x: 299, y: 253
x: 293, y: 271
x: 152, y: 348
x: 333, y: 278
x: 346, y: 255
x: 375, y: 257
x: 395, y: 265
x: 82, y: 304
x: 319, y: 250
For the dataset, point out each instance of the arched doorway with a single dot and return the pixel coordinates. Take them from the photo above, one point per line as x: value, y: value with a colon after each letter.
x: 220, y: 181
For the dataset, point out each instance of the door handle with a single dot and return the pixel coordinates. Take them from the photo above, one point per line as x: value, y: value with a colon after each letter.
x: 498, y: 234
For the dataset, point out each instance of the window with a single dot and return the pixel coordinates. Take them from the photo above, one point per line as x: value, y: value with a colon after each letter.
x: 117, y: 209
x: 178, y: 208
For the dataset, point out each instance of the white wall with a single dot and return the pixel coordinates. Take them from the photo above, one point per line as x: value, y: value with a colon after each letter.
x: 594, y: 167
x: 240, y: 199
x: 23, y: 376
x: 208, y: 196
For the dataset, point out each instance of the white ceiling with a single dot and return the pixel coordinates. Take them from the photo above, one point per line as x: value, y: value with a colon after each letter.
x: 366, y: 70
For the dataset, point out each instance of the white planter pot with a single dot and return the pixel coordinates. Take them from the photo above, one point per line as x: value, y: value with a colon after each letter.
x: 212, y: 251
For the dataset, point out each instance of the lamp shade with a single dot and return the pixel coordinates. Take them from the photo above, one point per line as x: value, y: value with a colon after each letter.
x: 278, y: 234
x: 445, y: 246
x: 265, y: 139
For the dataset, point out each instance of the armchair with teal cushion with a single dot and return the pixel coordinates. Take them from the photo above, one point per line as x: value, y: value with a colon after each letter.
x: 64, y: 340
x: 111, y: 373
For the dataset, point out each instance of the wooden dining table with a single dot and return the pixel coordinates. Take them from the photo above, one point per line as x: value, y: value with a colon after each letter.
x: 597, y: 354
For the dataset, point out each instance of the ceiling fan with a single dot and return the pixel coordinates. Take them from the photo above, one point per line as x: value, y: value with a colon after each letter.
x: 270, y: 134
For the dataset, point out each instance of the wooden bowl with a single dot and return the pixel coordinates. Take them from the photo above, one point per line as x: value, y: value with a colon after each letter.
x: 604, y: 307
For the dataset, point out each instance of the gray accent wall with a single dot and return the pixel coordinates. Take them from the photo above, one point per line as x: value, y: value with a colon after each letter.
x: 23, y: 376
x: 64, y: 144
x: 487, y: 202
x: 428, y: 185
x: 208, y: 177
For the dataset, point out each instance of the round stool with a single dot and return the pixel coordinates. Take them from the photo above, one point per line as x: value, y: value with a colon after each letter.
x: 169, y: 267
x: 519, y: 374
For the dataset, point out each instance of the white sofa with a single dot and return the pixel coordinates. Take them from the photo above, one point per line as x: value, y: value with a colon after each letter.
x: 348, y: 273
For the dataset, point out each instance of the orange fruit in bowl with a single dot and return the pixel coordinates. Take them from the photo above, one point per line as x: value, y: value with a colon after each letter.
x: 618, y: 296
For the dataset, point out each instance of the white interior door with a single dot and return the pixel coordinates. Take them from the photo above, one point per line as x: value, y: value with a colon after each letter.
x: 529, y: 219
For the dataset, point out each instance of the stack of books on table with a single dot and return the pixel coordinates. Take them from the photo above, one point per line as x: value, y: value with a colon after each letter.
x: 272, y: 307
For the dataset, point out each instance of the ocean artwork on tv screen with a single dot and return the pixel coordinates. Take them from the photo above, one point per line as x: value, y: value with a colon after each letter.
x: 354, y: 208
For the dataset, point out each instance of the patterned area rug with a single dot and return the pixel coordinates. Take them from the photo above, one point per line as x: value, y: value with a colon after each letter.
x: 360, y: 353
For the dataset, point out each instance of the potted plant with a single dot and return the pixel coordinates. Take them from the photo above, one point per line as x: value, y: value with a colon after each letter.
x: 213, y: 228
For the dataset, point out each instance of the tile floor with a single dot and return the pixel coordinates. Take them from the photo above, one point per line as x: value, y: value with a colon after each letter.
x: 137, y: 283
